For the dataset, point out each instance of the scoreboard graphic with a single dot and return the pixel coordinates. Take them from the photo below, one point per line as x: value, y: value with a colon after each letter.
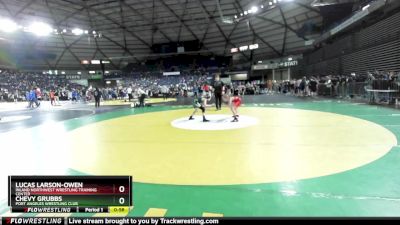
x: 108, y: 195
x: 70, y: 194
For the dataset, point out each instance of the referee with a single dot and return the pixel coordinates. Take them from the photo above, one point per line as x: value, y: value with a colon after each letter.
x: 218, y: 86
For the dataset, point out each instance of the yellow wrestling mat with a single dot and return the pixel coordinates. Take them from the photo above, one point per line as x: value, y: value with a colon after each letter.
x: 284, y: 145
x: 123, y: 102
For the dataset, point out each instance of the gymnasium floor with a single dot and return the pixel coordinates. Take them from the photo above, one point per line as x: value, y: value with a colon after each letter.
x: 286, y: 157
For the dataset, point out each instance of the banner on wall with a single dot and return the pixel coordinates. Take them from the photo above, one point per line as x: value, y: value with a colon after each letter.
x: 96, y: 77
x: 73, y: 77
x: 270, y: 66
x: 82, y: 82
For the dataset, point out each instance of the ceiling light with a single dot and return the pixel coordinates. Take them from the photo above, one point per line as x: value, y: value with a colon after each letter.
x: 40, y: 29
x: 8, y: 26
x: 243, y: 48
x: 95, y: 62
x: 365, y: 7
x: 227, y: 20
x: 77, y: 31
x: 254, y: 9
x: 253, y: 46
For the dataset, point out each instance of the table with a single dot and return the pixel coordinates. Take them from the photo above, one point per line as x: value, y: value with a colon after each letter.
x: 375, y: 92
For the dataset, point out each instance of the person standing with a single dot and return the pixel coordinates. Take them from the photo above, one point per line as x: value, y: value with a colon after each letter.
x: 164, y: 91
x: 218, y: 87
x: 33, y: 98
x: 142, y: 97
x: 129, y: 91
x: 74, y: 95
x: 38, y: 93
x: 83, y: 95
x: 313, y: 86
x: 52, y: 97
x: 200, y: 102
x: 269, y: 87
x: 235, y: 103
x: 97, y: 96
x: 16, y: 95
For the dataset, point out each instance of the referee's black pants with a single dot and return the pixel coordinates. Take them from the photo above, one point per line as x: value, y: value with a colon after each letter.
x: 97, y: 102
x: 218, y: 100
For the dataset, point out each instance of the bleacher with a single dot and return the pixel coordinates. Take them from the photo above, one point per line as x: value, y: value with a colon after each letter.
x: 375, y: 34
x: 374, y: 47
x: 381, y: 57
